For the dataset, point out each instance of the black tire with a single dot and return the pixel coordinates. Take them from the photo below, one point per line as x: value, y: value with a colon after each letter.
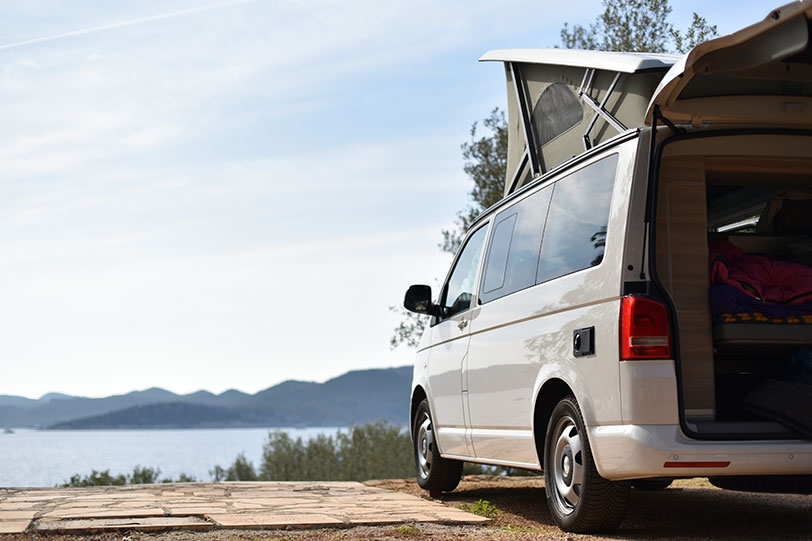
x: 433, y: 472
x: 580, y: 500
x: 652, y: 484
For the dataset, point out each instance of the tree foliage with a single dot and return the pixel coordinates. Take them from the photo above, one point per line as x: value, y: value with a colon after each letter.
x: 410, y: 328
x: 370, y: 451
x: 485, y: 157
x: 636, y: 26
x: 141, y: 475
x: 699, y: 32
x: 240, y: 470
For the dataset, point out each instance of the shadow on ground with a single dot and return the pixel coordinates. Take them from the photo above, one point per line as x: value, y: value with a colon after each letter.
x: 678, y: 512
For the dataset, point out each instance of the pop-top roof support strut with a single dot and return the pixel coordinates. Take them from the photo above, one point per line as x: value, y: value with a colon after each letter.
x: 599, y: 108
x: 517, y: 174
x: 527, y: 125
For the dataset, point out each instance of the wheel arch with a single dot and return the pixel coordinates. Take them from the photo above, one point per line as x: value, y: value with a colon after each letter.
x: 549, y: 395
x: 418, y: 395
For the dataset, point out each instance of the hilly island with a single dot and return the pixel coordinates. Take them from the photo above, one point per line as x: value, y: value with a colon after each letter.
x: 355, y: 397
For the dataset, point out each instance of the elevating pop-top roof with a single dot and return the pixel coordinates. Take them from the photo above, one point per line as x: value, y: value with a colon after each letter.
x: 563, y: 102
x: 622, y: 62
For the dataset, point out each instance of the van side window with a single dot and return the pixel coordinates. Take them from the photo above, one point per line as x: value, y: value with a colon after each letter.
x: 498, y: 253
x: 513, y: 253
x: 575, y: 233
x: 460, y: 287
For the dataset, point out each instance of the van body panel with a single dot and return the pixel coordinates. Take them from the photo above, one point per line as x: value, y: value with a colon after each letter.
x: 445, y: 383
x: 518, y: 337
x: 502, y: 375
x: 635, y: 264
x: 449, y: 340
x: 638, y: 451
x: 648, y: 391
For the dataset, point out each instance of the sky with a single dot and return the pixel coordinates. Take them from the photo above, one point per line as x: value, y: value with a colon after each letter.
x: 213, y: 195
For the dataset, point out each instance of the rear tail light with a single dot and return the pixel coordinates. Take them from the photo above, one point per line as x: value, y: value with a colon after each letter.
x: 643, y: 329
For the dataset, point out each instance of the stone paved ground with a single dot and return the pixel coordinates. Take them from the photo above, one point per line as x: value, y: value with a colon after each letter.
x: 204, y: 506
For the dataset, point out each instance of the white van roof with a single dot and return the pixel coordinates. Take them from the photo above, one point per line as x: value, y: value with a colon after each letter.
x: 602, y: 60
x: 562, y: 102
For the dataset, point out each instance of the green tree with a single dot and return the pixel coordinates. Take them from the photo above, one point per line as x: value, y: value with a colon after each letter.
x: 241, y: 470
x: 636, y: 26
x: 624, y: 25
x: 699, y: 32
x: 409, y: 329
x: 141, y: 475
x: 370, y: 451
x: 95, y: 479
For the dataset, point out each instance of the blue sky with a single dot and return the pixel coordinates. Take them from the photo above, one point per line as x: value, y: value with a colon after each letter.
x: 214, y: 195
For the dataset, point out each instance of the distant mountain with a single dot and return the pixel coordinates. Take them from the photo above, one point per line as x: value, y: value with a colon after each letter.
x: 55, y: 396
x: 17, y: 401
x: 355, y: 397
x: 169, y: 415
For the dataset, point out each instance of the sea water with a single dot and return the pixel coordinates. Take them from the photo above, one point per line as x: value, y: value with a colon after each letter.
x: 45, y: 458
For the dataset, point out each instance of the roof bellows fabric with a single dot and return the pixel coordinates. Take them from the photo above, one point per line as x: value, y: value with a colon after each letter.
x: 563, y: 102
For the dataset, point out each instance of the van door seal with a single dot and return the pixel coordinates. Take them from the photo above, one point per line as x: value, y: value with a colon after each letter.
x: 657, y: 115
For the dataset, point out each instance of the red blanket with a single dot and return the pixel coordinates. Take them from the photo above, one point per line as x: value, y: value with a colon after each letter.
x: 760, y: 276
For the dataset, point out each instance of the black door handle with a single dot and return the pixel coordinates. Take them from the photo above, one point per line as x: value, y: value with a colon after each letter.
x: 583, y: 342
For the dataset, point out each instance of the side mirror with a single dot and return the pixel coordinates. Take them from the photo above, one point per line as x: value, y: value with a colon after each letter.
x: 418, y: 299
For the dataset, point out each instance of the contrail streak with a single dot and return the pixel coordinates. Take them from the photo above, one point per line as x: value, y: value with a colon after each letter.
x: 122, y: 24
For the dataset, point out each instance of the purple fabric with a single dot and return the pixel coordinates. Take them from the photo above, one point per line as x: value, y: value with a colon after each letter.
x: 760, y: 276
x: 726, y: 299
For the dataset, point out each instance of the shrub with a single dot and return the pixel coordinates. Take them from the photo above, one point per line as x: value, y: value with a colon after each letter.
x: 143, y: 475
x: 140, y: 475
x: 240, y: 470
x: 96, y: 478
x: 371, y: 451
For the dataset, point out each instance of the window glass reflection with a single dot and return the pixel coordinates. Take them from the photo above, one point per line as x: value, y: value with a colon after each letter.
x: 460, y: 287
x: 575, y: 233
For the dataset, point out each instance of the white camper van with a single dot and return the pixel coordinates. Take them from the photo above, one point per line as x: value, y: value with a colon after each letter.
x: 638, y: 307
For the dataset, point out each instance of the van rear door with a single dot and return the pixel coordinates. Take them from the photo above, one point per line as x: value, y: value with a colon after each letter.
x: 760, y: 75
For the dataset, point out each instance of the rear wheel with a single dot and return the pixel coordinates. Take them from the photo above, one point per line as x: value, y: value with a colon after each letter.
x: 580, y: 500
x: 433, y: 472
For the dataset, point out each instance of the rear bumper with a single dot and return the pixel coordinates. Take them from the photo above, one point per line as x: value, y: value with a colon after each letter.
x: 637, y: 451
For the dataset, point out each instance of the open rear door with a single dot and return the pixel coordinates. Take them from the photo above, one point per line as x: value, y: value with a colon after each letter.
x: 760, y: 75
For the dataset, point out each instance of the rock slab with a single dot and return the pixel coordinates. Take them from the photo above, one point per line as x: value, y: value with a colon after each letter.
x: 243, y: 505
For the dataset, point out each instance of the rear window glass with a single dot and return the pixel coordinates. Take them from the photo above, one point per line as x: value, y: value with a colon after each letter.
x: 513, y: 254
x: 575, y: 233
x: 497, y: 258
